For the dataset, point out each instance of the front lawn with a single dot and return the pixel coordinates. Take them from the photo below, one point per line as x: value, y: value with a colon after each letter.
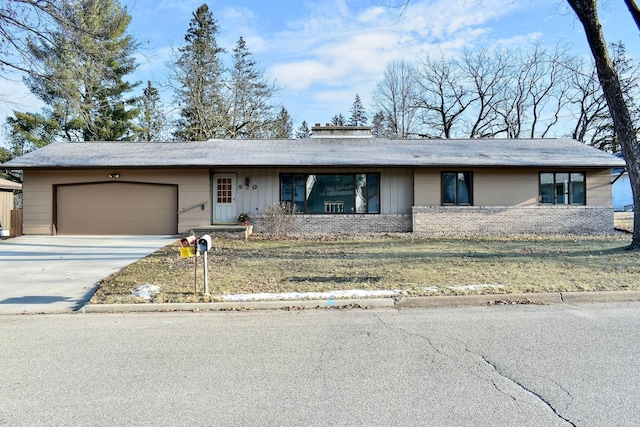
x: 397, y: 262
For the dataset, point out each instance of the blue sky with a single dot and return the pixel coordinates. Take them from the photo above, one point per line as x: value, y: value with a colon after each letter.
x: 323, y: 52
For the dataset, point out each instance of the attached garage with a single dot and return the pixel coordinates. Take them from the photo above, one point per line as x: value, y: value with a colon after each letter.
x: 116, y: 208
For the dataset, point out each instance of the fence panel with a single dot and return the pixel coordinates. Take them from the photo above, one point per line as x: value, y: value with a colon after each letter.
x: 16, y: 222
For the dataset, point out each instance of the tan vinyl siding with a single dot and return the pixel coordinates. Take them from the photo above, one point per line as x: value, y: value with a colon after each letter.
x: 599, y: 188
x: 491, y: 187
x: 507, y: 187
x: 37, y: 203
x: 427, y: 187
x: 511, y: 187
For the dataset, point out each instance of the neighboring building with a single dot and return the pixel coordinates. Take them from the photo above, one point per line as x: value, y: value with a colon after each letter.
x: 7, y: 191
x: 340, y: 183
x: 622, y: 197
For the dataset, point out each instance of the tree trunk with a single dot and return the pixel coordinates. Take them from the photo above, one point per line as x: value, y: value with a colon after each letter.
x: 587, y: 13
x: 635, y: 11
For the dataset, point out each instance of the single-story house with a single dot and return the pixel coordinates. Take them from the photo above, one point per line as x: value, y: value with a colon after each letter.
x: 7, y: 192
x: 341, y: 180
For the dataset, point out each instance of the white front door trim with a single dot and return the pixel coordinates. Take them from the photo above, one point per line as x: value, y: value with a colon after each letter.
x: 224, y: 198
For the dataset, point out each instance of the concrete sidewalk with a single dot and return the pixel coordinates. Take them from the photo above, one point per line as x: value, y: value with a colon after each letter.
x: 58, y: 274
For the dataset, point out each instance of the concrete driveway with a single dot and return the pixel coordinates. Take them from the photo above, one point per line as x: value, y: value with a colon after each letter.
x: 59, y: 274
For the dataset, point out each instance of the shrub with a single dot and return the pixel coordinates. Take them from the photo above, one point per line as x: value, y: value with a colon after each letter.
x: 278, y: 218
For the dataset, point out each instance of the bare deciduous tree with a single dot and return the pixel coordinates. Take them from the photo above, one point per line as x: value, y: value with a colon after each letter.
x: 443, y: 97
x: 488, y: 72
x: 394, y: 97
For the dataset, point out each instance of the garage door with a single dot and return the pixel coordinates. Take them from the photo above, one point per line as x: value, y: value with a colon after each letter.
x: 117, y: 208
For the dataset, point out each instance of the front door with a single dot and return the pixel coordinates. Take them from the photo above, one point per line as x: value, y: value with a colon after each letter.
x: 224, y: 198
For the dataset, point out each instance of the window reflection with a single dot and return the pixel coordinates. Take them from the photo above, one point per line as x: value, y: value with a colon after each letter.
x: 332, y: 193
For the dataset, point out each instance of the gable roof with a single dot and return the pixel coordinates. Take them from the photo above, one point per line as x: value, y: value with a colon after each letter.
x: 319, y: 152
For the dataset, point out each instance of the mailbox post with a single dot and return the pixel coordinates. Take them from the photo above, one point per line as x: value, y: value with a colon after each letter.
x: 204, y: 244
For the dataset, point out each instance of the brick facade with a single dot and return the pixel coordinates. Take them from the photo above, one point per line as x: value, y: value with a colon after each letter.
x: 438, y: 221
x: 461, y: 221
x: 343, y: 224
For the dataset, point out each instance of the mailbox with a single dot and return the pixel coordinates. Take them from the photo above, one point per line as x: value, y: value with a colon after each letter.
x: 188, y: 242
x: 204, y: 243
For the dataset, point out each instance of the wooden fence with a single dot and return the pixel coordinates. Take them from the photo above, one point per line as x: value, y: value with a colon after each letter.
x: 16, y: 222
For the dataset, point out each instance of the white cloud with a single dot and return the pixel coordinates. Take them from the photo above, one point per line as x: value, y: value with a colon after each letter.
x: 237, y: 14
x: 235, y: 22
x: 343, y: 46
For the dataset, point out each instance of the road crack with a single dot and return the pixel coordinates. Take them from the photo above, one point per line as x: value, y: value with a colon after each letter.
x: 538, y: 396
x: 427, y: 339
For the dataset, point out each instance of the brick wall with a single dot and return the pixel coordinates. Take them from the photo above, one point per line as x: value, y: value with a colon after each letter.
x: 473, y: 220
x: 337, y: 224
x: 460, y: 221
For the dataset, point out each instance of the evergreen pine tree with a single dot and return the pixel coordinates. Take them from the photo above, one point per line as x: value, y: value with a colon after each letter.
x: 152, y: 120
x: 358, y: 113
x: 303, y: 131
x: 198, y: 72
x: 81, y: 77
x: 282, y: 125
x: 380, y: 127
x: 338, y: 120
x: 250, y: 94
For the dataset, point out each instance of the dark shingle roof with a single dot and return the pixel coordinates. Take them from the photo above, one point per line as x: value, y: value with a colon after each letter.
x: 319, y: 152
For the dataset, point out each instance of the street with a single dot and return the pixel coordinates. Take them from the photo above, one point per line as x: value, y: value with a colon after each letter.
x: 524, y: 365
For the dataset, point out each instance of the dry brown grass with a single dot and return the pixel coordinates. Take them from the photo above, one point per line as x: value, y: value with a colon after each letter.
x: 624, y: 221
x: 415, y: 266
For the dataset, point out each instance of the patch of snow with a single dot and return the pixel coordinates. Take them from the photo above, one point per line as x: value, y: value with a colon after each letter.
x: 350, y: 293
x: 146, y: 291
x: 475, y: 287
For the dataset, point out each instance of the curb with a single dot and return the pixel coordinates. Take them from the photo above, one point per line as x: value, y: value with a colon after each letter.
x: 478, y: 300
x: 232, y: 306
x: 408, y: 302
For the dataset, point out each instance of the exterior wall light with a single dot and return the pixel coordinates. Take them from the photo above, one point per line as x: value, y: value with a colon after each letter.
x: 114, y: 175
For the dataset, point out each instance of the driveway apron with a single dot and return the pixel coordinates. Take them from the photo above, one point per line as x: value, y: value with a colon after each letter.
x: 59, y: 274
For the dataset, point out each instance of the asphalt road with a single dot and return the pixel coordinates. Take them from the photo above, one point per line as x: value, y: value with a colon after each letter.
x: 501, y: 366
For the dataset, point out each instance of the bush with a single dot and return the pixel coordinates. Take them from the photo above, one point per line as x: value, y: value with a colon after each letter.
x: 278, y: 218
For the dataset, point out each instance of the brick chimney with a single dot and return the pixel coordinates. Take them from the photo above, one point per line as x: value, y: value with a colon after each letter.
x: 329, y: 131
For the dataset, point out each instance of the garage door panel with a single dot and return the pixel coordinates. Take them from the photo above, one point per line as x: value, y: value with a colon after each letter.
x: 117, y: 208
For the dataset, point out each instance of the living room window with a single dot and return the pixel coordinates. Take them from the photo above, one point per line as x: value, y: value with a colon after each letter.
x: 457, y: 188
x: 332, y: 193
x: 563, y: 188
